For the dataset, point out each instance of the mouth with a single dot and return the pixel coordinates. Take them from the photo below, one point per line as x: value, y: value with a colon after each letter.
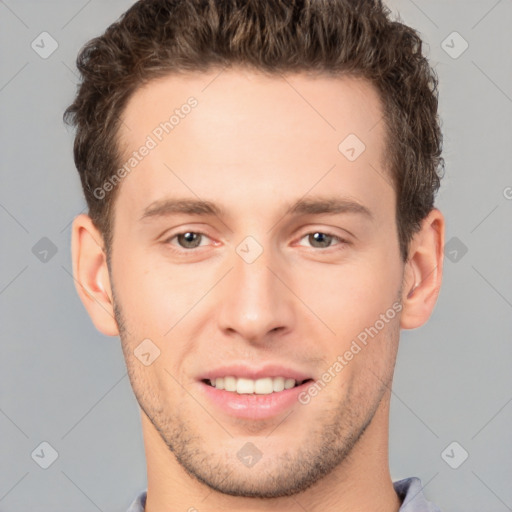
x: 261, y: 386
x: 249, y: 394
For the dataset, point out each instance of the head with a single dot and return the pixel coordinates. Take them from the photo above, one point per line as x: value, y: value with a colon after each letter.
x: 280, y: 219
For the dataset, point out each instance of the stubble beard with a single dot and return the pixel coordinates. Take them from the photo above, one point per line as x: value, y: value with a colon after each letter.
x: 327, y: 445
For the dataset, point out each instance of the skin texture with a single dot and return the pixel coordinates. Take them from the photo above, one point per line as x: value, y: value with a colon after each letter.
x: 254, y: 145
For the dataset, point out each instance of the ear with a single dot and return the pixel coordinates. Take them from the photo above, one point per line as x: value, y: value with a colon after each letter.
x: 90, y: 272
x: 423, y: 272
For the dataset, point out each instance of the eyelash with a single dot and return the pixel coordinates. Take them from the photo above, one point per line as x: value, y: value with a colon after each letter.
x: 181, y: 250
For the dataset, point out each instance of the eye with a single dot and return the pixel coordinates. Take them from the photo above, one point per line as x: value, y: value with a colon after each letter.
x: 188, y: 240
x: 321, y: 240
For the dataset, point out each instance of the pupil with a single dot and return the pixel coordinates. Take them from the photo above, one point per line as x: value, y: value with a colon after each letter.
x: 189, y: 239
x: 320, y: 238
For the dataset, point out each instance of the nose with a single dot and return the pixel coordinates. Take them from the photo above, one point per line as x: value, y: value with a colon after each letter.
x: 254, y: 304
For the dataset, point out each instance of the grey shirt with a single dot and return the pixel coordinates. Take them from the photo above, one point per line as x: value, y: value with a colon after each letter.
x: 409, y: 490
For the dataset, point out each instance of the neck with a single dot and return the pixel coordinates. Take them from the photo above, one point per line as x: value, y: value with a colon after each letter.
x: 361, y: 482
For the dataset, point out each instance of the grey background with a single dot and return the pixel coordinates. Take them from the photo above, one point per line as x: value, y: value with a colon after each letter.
x: 64, y: 383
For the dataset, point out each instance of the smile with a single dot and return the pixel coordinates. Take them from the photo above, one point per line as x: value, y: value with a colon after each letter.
x: 244, y: 386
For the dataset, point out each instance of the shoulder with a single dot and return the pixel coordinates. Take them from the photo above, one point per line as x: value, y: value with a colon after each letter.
x: 410, y: 491
x: 139, y: 503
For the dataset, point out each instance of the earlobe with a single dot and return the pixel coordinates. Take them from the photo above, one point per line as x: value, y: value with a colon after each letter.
x: 423, y: 272
x: 90, y: 272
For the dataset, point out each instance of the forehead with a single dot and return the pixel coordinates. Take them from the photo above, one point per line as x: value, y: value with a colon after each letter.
x: 330, y: 104
x: 226, y: 130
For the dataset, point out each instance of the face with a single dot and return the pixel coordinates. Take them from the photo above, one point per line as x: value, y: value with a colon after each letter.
x: 255, y: 251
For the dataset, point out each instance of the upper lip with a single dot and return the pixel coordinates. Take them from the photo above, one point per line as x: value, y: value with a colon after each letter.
x: 248, y: 372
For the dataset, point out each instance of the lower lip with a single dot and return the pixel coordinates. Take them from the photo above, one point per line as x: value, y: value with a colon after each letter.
x: 253, y: 407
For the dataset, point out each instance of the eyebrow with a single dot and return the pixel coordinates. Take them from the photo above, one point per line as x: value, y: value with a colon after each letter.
x: 165, y: 207
x: 310, y: 206
x: 329, y: 205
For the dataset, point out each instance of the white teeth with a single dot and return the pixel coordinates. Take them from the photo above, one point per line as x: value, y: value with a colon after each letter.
x: 229, y: 383
x: 278, y: 383
x: 289, y: 383
x: 244, y: 386
x: 263, y: 386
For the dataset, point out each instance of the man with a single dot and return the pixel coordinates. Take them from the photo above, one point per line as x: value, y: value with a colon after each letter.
x: 260, y: 178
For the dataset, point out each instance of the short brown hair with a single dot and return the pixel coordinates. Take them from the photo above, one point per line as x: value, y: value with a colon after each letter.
x: 358, y: 38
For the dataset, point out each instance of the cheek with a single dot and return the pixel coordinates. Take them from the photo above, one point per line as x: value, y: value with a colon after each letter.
x: 352, y: 296
x: 154, y: 294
